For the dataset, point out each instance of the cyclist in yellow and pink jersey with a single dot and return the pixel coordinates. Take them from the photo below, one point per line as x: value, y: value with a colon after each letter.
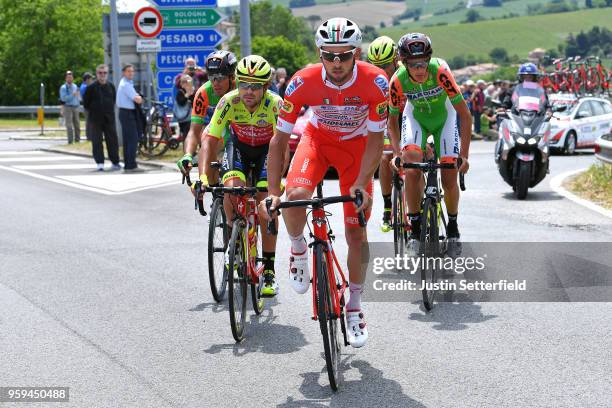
x: 251, y: 112
x: 348, y: 98
x: 434, y: 102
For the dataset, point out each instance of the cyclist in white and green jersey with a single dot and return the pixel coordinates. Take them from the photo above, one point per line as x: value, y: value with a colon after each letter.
x: 434, y: 103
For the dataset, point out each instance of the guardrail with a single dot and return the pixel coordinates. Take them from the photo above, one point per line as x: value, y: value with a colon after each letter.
x: 33, y: 109
x: 603, y: 148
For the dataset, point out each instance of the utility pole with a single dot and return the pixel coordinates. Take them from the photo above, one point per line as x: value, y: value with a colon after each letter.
x: 245, y: 28
x: 114, y: 32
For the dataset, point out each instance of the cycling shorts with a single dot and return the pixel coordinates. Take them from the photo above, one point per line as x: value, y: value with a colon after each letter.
x: 315, y: 153
x: 240, y: 158
x: 445, y: 133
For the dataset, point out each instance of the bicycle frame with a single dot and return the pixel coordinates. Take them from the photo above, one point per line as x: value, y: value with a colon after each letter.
x: 322, y: 237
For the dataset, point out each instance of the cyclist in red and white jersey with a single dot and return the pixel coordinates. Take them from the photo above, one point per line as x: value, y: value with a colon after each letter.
x: 349, y: 102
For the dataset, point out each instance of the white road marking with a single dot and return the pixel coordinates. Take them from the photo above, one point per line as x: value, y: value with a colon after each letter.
x: 56, y: 166
x: 118, y: 183
x: 41, y: 159
x: 165, y: 177
x: 557, y: 185
x: 17, y: 152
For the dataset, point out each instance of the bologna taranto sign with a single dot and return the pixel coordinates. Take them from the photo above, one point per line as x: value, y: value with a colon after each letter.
x: 186, y: 3
x: 190, y: 17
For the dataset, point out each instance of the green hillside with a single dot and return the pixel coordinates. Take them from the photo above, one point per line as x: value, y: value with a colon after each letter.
x: 517, y: 35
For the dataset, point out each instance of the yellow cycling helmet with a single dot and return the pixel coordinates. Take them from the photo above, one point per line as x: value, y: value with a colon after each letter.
x: 382, y: 51
x: 253, y: 68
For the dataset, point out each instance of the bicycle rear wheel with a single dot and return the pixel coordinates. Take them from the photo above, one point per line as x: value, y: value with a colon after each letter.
x: 218, y: 237
x: 400, y: 235
x: 156, y: 138
x: 328, y: 321
x: 429, y: 248
x: 237, y: 282
x: 256, y: 299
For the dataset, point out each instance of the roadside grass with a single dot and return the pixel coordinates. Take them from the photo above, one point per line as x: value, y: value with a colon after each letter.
x: 595, y: 184
x: 25, y: 123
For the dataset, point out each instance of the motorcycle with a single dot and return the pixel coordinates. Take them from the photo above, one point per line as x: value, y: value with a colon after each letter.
x: 522, y: 153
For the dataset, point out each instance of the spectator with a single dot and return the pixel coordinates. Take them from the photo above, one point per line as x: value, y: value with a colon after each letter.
x: 488, y: 124
x: 99, y: 101
x: 183, y: 104
x: 280, y: 80
x: 467, y: 91
x: 70, y: 95
x: 478, y: 104
x: 489, y: 96
x: 127, y: 98
x: 87, y: 80
x: 198, y: 74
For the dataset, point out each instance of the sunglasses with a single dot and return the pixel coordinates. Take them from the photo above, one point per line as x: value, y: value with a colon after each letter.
x: 217, y: 77
x: 342, y: 56
x: 253, y: 86
x: 384, y: 66
x: 416, y: 65
x: 102, y: 72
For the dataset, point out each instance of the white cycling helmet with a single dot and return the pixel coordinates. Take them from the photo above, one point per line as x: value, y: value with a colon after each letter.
x: 338, y: 32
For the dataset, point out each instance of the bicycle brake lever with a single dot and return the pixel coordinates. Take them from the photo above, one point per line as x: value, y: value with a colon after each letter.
x: 358, y: 202
x: 271, y: 227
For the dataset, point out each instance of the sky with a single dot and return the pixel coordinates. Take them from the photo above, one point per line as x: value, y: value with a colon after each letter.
x: 130, y: 6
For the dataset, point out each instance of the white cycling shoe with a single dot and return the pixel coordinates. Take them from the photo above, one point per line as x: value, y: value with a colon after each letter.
x: 357, y: 330
x: 299, y: 274
x: 412, y: 247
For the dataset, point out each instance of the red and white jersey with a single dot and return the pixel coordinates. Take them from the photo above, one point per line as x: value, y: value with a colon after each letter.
x: 342, y: 112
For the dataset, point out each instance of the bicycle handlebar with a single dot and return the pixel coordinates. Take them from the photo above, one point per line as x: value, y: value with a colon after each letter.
x: 316, y: 203
x: 431, y: 166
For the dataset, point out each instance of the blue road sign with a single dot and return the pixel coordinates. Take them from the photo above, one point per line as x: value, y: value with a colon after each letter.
x: 185, y: 3
x: 176, y: 58
x: 191, y: 39
x: 165, y: 79
x: 165, y: 96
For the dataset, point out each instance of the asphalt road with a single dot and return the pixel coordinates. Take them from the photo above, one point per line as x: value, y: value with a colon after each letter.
x: 108, y: 294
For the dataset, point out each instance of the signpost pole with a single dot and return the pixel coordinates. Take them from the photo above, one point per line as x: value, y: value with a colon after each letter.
x: 245, y: 28
x: 148, y: 75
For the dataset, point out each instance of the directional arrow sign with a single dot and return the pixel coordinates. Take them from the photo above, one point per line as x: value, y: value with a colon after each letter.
x: 176, y: 58
x: 193, y: 38
x: 185, y: 3
x: 191, y: 17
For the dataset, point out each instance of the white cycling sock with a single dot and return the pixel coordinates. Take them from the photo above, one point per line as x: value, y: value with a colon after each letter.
x: 354, y: 302
x: 298, y: 244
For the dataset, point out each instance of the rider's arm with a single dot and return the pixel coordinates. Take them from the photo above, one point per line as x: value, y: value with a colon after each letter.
x: 198, y: 113
x: 370, y: 159
x: 396, y: 96
x: 276, y: 155
x: 394, y: 133
x: 218, y: 122
x: 208, y: 154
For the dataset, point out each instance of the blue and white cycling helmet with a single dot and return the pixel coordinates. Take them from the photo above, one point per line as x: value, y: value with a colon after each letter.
x: 528, y: 68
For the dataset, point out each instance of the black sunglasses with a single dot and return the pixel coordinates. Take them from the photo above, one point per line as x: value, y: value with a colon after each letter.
x: 342, y: 56
x: 253, y: 86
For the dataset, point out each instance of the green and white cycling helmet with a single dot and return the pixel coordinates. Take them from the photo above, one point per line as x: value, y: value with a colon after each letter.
x: 338, y: 32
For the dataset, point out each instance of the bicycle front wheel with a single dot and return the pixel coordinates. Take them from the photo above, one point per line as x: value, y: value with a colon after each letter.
x: 256, y: 299
x: 237, y: 282
x: 429, y: 250
x: 218, y: 237
x: 400, y: 235
x: 328, y: 321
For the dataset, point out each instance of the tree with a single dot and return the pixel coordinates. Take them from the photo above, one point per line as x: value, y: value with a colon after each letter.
x: 588, y: 3
x: 492, y: 3
x: 276, y: 20
x: 369, y: 33
x: 472, y: 16
x: 499, y: 55
x: 40, y: 40
x: 280, y: 52
x: 314, y: 21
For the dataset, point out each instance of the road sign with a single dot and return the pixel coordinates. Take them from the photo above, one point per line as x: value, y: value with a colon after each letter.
x: 153, y: 45
x: 191, y: 17
x: 176, y: 58
x: 165, y: 78
x: 192, y: 38
x: 147, y: 22
x: 185, y: 3
x: 165, y: 96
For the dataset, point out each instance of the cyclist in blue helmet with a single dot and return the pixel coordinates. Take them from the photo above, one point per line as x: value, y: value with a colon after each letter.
x: 527, y: 71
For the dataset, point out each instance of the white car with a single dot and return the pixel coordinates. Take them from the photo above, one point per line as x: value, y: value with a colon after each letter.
x: 580, y: 124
